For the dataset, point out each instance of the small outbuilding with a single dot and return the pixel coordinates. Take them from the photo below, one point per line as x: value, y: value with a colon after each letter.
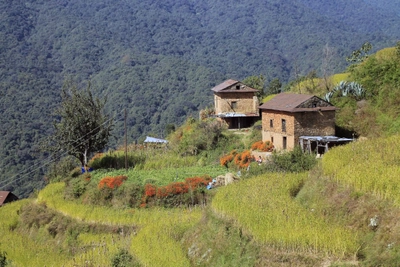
x: 321, y: 144
x: 7, y: 197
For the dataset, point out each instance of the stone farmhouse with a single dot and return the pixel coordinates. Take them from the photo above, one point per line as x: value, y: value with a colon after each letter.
x: 236, y: 104
x: 288, y: 117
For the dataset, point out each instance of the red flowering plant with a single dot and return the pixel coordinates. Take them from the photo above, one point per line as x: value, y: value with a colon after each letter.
x: 173, y: 193
x: 196, y: 182
x: 150, y: 190
x: 112, y: 182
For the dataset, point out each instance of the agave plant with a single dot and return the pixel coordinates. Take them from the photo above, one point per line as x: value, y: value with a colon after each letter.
x: 345, y: 89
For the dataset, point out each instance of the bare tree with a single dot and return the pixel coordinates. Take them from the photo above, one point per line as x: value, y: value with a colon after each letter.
x: 328, y: 55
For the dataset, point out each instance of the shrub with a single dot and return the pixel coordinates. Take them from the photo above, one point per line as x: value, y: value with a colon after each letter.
x: 243, y: 160
x: 116, y: 160
x: 3, y: 259
x: 174, y: 194
x: 61, y: 169
x: 227, y: 159
x: 149, y: 190
x: 123, y: 259
x: 128, y: 195
x: 78, y: 187
x: 294, y: 161
x: 266, y: 146
x: 196, y: 136
x: 112, y: 182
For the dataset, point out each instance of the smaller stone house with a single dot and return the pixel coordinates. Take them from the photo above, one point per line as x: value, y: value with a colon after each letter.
x: 236, y: 104
x: 288, y: 116
x: 6, y: 197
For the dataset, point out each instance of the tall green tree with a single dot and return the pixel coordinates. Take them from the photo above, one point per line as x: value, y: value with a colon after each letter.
x: 359, y: 55
x: 256, y: 82
x: 82, y: 128
x: 274, y: 87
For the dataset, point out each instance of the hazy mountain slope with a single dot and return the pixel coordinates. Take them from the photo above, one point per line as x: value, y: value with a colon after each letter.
x: 388, y: 6
x: 362, y: 16
x: 158, y: 59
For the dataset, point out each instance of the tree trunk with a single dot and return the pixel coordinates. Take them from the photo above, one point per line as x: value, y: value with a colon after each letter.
x: 85, y: 157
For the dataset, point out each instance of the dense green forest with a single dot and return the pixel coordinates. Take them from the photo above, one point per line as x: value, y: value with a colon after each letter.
x: 159, y: 60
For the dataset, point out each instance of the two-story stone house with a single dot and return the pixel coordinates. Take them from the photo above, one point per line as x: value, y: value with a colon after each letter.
x: 236, y: 104
x: 288, y: 116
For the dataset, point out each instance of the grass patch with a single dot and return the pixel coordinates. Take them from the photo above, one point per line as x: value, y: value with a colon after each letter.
x: 264, y: 206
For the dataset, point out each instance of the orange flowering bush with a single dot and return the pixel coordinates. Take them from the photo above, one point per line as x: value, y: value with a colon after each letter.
x: 225, y: 160
x: 112, y: 182
x: 257, y: 145
x: 243, y: 160
x: 196, y: 182
x: 170, y: 194
x: 266, y: 146
x: 149, y: 190
x: 172, y: 189
x: 177, y: 188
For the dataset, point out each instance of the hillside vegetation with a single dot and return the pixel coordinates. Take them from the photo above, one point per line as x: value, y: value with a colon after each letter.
x: 338, y: 213
x: 292, y: 210
x: 159, y: 60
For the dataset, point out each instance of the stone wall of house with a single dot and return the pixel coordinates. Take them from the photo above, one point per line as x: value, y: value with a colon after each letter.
x: 276, y: 133
x: 315, y: 123
x: 246, y: 102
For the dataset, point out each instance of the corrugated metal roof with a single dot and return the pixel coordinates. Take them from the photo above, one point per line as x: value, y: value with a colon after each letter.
x: 223, y: 87
x: 326, y: 138
x: 154, y: 140
x: 290, y: 102
x: 234, y: 114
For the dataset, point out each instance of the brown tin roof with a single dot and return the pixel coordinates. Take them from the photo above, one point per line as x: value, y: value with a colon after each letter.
x: 291, y: 102
x: 226, y: 87
x: 3, y: 196
x: 7, y: 194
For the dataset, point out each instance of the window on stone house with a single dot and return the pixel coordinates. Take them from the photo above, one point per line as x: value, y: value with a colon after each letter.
x: 271, y: 123
x: 283, y: 125
x: 272, y: 139
x: 234, y: 105
x: 237, y: 87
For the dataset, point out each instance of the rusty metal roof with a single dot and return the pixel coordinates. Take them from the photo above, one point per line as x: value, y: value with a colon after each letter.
x: 7, y: 196
x: 291, y: 102
x: 226, y: 86
x: 3, y: 196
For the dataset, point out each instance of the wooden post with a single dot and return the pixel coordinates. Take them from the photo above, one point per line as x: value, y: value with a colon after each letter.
x: 126, y: 146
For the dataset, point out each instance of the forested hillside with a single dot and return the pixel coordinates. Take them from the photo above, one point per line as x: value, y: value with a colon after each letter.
x: 159, y: 59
